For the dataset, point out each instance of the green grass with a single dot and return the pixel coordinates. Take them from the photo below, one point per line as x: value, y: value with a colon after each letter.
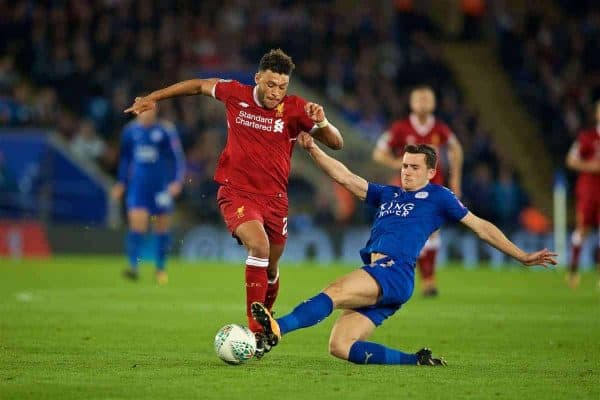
x: 72, y: 328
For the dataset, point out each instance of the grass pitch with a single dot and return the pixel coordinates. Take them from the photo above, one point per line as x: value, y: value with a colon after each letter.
x: 71, y: 328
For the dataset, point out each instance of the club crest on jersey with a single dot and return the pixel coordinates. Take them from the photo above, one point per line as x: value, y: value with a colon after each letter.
x: 156, y: 135
x: 422, y: 195
x: 279, y: 110
x: 240, y: 212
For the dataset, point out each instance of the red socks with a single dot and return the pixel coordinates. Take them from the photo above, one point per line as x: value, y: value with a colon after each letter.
x: 427, y: 264
x: 576, y: 242
x: 272, y: 290
x: 256, y: 287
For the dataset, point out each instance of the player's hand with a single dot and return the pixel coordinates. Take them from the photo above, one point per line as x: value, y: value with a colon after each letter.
x: 545, y: 258
x: 117, y: 191
x: 175, y: 189
x: 140, y: 105
x: 306, y: 141
x: 315, y: 112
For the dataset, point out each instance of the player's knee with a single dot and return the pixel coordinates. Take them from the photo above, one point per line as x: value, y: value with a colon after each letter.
x: 336, y: 292
x: 258, y: 247
x: 340, y: 347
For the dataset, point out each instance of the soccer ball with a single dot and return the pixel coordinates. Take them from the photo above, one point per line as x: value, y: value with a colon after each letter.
x: 235, y: 344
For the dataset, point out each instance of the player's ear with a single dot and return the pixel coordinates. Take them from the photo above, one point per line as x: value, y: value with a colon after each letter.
x: 257, y: 78
x: 431, y: 173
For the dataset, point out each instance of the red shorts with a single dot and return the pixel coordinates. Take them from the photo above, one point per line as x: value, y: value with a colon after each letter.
x: 588, y: 206
x: 238, y: 207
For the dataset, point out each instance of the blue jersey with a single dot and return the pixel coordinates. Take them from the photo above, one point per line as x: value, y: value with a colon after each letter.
x: 405, y: 219
x: 151, y: 156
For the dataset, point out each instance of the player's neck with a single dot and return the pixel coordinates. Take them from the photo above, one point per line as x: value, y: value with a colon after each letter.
x: 256, y: 98
x: 422, y: 118
x: 419, y: 188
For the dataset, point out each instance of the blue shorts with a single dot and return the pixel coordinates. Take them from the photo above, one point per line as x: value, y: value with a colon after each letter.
x: 397, y: 282
x: 156, y: 200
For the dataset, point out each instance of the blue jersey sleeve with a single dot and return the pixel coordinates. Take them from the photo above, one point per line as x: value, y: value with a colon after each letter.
x: 374, y: 193
x: 452, y: 208
x: 177, y: 152
x: 125, y: 156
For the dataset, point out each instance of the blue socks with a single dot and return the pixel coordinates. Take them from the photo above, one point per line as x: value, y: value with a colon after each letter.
x: 133, y: 244
x: 373, y: 353
x: 163, y: 244
x: 308, y: 313
x: 316, y: 309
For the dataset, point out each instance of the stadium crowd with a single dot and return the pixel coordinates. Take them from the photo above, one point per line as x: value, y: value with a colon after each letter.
x: 75, y: 66
x: 551, y: 54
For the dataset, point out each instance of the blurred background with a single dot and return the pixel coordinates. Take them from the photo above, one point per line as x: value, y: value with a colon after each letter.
x: 515, y: 81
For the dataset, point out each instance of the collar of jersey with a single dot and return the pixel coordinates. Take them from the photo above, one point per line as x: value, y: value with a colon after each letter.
x: 422, y: 129
x: 255, y: 96
x: 416, y: 191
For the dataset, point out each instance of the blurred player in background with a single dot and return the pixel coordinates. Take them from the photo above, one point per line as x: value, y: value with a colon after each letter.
x: 151, y: 170
x: 253, y: 169
x: 422, y: 127
x: 584, y: 157
x: 369, y: 295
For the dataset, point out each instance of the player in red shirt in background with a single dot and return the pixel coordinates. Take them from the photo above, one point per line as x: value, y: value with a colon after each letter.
x: 584, y: 157
x: 253, y: 169
x: 422, y: 127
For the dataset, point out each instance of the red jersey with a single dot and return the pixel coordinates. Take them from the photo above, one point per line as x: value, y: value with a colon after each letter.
x: 411, y: 131
x: 260, y: 141
x: 587, y: 147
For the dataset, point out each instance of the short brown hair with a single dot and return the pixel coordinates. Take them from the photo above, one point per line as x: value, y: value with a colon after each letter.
x: 277, y: 61
x: 430, y: 154
x: 422, y: 87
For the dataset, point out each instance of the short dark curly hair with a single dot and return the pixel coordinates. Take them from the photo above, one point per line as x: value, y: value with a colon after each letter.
x: 277, y: 61
x: 428, y: 151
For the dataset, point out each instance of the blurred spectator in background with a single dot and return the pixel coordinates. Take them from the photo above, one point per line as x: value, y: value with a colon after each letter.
x: 86, y: 144
x: 478, y: 192
x: 507, y: 199
x: 553, y: 60
x: 200, y: 190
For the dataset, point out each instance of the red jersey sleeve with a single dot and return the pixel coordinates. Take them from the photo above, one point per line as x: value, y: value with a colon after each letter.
x: 299, y: 121
x: 225, y: 88
x: 304, y: 123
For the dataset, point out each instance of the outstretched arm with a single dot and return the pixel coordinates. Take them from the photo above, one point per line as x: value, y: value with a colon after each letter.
x: 335, y: 169
x: 494, y: 236
x: 185, y: 88
x: 324, y: 131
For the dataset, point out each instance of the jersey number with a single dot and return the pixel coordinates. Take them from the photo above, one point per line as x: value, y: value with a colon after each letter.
x: 284, y: 231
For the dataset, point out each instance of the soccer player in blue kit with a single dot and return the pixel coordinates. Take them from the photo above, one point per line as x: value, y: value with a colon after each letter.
x: 152, y: 169
x: 404, y: 220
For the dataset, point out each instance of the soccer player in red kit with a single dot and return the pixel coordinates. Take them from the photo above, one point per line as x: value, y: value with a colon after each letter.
x: 584, y: 157
x: 422, y: 127
x: 253, y: 169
